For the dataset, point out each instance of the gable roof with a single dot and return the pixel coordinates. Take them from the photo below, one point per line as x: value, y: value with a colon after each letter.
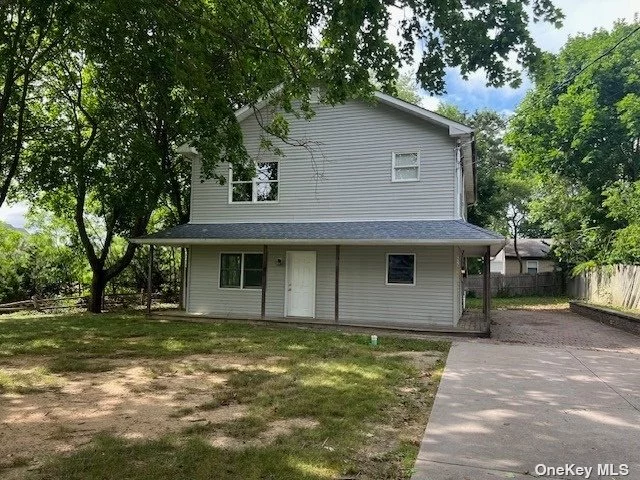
x: 454, y: 128
x: 529, y: 247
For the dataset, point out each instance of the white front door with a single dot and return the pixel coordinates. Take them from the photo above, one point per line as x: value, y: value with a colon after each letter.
x: 300, y: 295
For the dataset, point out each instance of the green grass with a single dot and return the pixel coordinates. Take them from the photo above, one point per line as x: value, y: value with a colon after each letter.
x: 520, y: 302
x: 353, y: 396
x: 27, y: 381
x: 632, y: 311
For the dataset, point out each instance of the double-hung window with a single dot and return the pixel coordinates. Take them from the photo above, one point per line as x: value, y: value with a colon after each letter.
x: 241, y: 270
x: 405, y: 166
x: 262, y: 187
x: 401, y: 269
x: 532, y: 267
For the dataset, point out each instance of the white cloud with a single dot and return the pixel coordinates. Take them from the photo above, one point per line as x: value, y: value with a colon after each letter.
x: 14, y: 214
x: 582, y: 17
x: 430, y: 103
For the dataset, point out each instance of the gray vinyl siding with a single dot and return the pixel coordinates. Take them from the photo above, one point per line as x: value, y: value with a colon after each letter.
x: 365, y: 299
x: 347, y: 175
x: 205, y: 296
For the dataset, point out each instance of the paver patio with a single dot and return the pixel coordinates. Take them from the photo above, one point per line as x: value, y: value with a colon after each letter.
x: 502, y: 408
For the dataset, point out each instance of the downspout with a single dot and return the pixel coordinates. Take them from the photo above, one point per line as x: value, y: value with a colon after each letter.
x: 458, y: 180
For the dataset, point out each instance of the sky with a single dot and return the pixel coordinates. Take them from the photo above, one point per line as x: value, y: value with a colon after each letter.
x: 581, y: 16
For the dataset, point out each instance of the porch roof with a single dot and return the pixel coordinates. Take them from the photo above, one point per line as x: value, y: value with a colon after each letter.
x: 385, y: 232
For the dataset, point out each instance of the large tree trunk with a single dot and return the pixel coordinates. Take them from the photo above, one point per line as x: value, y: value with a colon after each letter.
x: 98, y: 284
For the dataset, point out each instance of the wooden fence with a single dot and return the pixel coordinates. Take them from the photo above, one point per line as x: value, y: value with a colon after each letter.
x: 550, y: 283
x: 118, y: 300
x: 616, y: 285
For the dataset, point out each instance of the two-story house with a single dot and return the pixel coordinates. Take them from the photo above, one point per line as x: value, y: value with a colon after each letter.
x: 365, y: 226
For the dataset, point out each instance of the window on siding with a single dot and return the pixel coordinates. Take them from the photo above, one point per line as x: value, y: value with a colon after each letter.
x: 263, y: 187
x: 532, y: 267
x: 401, y: 268
x: 406, y: 167
x: 241, y: 270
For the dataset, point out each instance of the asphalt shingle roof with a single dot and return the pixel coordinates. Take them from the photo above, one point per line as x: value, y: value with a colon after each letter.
x: 529, y: 247
x: 373, y: 230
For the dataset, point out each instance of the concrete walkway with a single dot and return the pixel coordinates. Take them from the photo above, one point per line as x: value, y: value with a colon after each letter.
x: 502, y: 409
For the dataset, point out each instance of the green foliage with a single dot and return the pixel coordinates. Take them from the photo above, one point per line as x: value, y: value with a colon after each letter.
x: 499, y: 192
x: 34, y: 264
x: 578, y: 140
x: 32, y: 32
x: 120, y: 86
x: 407, y: 89
x: 622, y: 201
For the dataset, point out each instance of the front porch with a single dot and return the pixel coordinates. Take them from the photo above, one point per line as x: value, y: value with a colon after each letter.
x: 384, y: 275
x: 473, y: 323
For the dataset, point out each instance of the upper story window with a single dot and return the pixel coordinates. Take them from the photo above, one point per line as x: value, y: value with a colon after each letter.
x: 405, y: 167
x: 263, y: 187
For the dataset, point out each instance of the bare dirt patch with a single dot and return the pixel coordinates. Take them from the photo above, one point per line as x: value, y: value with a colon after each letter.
x: 407, y: 426
x: 136, y: 399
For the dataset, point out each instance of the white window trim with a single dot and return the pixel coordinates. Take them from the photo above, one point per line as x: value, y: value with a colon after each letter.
x: 241, y: 287
x: 533, y: 263
x: 386, y: 270
x: 393, y: 166
x: 253, y: 182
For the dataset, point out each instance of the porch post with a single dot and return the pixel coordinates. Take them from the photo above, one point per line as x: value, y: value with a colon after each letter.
x: 265, y: 261
x: 182, y: 279
x: 150, y: 280
x: 486, y: 303
x: 336, y: 300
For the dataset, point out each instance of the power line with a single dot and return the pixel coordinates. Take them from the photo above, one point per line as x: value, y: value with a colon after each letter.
x: 600, y: 57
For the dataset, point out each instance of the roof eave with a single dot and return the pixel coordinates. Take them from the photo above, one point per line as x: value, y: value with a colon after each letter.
x: 455, y: 129
x: 496, y: 244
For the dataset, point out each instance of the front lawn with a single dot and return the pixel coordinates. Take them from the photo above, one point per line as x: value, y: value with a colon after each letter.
x: 119, y: 396
x: 530, y: 302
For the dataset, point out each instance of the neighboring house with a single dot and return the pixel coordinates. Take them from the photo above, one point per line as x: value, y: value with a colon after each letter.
x: 366, y: 226
x: 535, y: 255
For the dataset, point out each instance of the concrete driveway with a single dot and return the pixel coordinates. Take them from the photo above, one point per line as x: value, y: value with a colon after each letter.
x: 504, y: 408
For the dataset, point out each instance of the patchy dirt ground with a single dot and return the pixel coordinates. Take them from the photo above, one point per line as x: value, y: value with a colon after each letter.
x: 137, y: 399
x: 149, y: 398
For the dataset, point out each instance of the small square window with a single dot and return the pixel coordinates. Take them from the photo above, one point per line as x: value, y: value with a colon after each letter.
x: 401, y: 268
x: 406, y: 167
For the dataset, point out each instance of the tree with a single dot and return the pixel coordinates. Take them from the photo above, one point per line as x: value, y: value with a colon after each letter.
x: 577, y: 134
x: 622, y: 201
x: 516, y: 193
x: 137, y: 79
x: 31, y: 33
x: 493, y: 165
x: 407, y: 89
x: 37, y: 263
x: 93, y: 166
